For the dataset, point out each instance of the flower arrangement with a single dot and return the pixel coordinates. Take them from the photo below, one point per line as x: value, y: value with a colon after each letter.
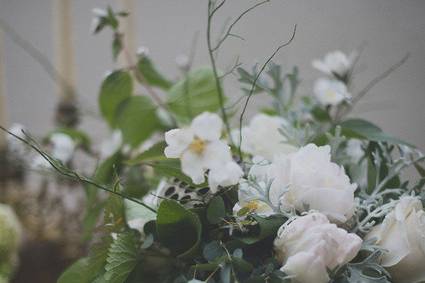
x: 189, y: 191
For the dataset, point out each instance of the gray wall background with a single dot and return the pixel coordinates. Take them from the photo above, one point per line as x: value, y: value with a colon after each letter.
x: 388, y: 29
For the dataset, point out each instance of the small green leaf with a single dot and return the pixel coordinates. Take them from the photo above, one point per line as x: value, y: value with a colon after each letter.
x: 178, y: 228
x: 137, y: 120
x: 216, y: 210
x: 152, y: 76
x: 116, y: 45
x: 154, y: 153
x: 213, y: 250
x: 198, y: 90
x: 122, y: 257
x: 115, y: 89
x: 266, y: 227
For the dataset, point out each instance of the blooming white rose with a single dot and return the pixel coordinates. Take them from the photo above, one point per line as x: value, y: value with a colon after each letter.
x: 262, y: 137
x: 200, y: 148
x: 111, y: 145
x: 307, y: 180
x: 310, y: 245
x: 402, y: 235
x: 330, y: 92
x: 335, y: 63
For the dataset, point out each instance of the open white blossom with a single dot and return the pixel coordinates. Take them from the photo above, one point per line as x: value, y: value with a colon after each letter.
x: 14, y: 145
x: 306, y: 180
x: 200, y: 148
x: 111, y: 145
x: 310, y: 245
x: 63, y: 147
x: 262, y: 137
x: 335, y: 62
x: 402, y: 235
x: 330, y: 92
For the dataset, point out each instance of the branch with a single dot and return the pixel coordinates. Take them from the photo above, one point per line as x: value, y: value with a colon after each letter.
x: 65, y: 171
x: 254, y: 83
x: 229, y: 30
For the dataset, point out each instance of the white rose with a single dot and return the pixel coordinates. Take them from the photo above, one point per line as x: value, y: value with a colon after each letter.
x: 306, y: 180
x: 330, y: 92
x: 335, y: 63
x: 262, y: 137
x: 310, y: 245
x: 402, y: 234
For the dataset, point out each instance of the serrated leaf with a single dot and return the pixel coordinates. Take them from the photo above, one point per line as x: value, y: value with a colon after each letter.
x: 115, y: 89
x: 122, y: 257
x: 198, y: 91
x: 178, y: 228
x: 137, y: 120
x: 152, y: 76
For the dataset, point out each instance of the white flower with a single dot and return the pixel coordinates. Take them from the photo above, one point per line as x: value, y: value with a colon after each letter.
x: 200, y: 148
x: 262, y: 137
x: 402, y: 235
x: 143, y: 51
x: 335, y: 63
x: 330, y: 92
x: 183, y: 62
x: 111, y: 145
x: 62, y: 147
x: 310, y: 245
x: 308, y: 180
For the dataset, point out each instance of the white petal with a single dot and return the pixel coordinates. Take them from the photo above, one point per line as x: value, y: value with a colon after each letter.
x: 192, y: 166
x: 178, y: 140
x: 216, y: 154
x: 207, y: 126
x: 226, y: 175
x: 63, y: 147
x: 297, y: 266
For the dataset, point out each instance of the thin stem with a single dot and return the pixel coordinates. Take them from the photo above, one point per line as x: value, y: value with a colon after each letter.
x: 65, y: 171
x: 254, y: 83
x: 214, y: 67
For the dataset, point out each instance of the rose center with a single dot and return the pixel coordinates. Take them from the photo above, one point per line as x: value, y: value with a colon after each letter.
x: 198, y: 145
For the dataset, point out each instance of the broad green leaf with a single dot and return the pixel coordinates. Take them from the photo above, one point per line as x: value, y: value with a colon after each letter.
x: 178, y: 228
x: 137, y: 120
x: 115, y: 89
x: 154, y: 153
x: 216, y: 210
x: 122, y: 257
x: 79, y: 272
x: 265, y: 228
x: 193, y: 95
x: 213, y: 250
x: 367, y: 130
x: 152, y: 76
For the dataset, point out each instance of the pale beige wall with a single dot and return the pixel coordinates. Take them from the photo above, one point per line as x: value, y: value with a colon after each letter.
x: 387, y: 28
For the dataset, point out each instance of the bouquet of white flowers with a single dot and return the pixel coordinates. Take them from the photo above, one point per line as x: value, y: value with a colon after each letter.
x: 192, y: 192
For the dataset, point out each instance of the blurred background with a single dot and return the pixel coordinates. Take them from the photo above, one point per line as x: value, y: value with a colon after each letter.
x: 58, y: 33
x: 386, y: 30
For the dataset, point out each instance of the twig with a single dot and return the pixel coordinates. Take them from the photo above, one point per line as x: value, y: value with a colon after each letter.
x: 229, y: 30
x: 65, y: 171
x: 254, y: 83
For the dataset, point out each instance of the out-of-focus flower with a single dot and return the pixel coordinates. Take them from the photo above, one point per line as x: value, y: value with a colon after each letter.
x: 309, y: 246
x: 14, y: 145
x: 200, y: 148
x: 308, y: 180
x: 143, y: 51
x: 63, y: 147
x: 402, y: 236
x: 262, y: 137
x: 111, y: 145
x: 330, y: 92
x: 183, y: 62
x: 335, y: 63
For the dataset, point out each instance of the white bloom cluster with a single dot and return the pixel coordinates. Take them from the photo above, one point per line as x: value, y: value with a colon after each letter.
x: 402, y: 236
x: 200, y: 148
x: 337, y: 66
x: 62, y: 149
x: 261, y: 138
x: 309, y: 246
x: 304, y: 180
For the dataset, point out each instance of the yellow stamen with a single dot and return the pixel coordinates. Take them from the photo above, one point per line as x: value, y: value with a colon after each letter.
x: 253, y: 205
x: 197, y: 146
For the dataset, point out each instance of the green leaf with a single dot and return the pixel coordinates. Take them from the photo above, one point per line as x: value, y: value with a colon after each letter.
x: 79, y: 272
x: 266, y: 227
x: 178, y: 228
x: 367, y: 130
x: 134, y: 211
x: 216, y: 210
x: 213, y: 250
x: 198, y: 90
x: 136, y: 119
x: 154, y: 153
x: 151, y: 74
x: 117, y: 45
x: 172, y: 168
x: 115, y: 89
x: 122, y: 257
